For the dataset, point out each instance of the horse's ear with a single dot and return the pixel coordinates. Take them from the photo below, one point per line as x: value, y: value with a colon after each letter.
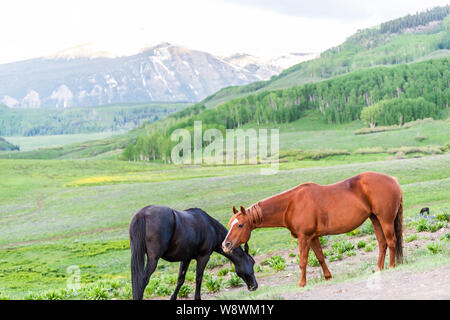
x: 246, y: 248
x: 243, y: 210
x: 235, y: 210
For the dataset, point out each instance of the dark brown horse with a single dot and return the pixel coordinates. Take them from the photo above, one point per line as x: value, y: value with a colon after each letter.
x: 311, y: 210
x: 174, y: 235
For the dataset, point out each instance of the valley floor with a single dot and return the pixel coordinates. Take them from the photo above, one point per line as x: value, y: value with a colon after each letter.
x: 56, y: 215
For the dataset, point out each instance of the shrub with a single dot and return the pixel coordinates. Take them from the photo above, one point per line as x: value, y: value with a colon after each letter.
x: 369, y: 247
x: 163, y: 290
x: 33, y: 296
x: 369, y: 150
x: 97, y: 292
x: 342, y: 246
x: 350, y: 253
x: 433, y: 227
x: 434, y: 247
x: 411, y: 237
x: 415, y: 149
x: 235, y: 281
x: 277, y: 263
x: 446, y: 146
x: 424, y: 222
x: 52, y: 294
x: 361, y: 244
x: 446, y: 237
x: 223, y: 272
x: 319, y: 154
x: 443, y: 216
x: 336, y: 257
x: 213, y: 284
x: 420, y: 138
x: 185, y: 290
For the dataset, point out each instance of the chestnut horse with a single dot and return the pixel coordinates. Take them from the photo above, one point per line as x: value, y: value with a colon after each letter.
x: 311, y: 210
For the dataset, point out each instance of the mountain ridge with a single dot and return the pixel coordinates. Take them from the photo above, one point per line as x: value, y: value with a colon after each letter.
x: 83, y: 76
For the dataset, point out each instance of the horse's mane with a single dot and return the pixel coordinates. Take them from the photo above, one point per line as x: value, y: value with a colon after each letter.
x: 255, y: 213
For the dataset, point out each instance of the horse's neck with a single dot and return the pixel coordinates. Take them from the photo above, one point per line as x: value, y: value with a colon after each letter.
x: 272, y: 211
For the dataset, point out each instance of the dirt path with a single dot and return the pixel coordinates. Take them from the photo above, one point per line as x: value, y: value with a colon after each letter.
x: 431, y: 284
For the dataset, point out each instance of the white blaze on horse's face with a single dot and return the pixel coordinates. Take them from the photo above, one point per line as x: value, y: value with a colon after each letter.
x: 231, y: 226
x: 225, y: 248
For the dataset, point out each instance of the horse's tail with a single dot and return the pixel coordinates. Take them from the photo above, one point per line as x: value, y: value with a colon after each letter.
x: 398, y: 228
x: 138, y: 251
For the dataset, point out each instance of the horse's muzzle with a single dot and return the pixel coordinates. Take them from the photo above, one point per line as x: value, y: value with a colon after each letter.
x: 227, y: 247
x: 253, y: 287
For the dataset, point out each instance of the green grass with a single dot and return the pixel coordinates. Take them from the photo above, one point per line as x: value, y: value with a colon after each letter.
x: 48, y: 225
x: 58, y: 213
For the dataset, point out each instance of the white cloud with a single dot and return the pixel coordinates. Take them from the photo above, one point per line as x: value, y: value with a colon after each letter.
x: 37, y: 28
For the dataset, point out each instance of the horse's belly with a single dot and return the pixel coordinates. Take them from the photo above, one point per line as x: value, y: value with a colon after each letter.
x: 344, y: 223
x: 179, y: 253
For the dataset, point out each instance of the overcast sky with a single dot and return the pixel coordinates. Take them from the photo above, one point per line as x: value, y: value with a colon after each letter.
x: 260, y: 27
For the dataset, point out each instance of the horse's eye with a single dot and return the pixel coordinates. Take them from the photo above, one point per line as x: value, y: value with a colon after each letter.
x: 240, y: 225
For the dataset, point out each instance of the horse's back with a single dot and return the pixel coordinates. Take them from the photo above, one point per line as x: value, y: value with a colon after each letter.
x: 382, y: 191
x: 193, y: 235
x: 343, y: 206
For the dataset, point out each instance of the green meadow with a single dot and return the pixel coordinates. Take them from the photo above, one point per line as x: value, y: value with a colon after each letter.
x: 55, y: 214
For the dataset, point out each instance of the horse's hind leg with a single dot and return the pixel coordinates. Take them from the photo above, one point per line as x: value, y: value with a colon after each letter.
x: 391, y: 239
x: 317, y: 248
x: 201, y: 264
x: 382, y: 245
x: 152, y: 262
x: 181, y: 276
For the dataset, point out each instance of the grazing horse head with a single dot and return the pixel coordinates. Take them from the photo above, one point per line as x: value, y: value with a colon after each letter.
x: 243, y: 263
x: 241, y: 225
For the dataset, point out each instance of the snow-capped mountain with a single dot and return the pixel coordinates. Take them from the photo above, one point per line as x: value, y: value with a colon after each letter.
x: 288, y: 60
x: 262, y: 69
x: 83, y: 76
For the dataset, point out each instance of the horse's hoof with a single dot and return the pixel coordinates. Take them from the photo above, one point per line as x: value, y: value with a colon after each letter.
x: 302, y: 284
x: 328, y: 278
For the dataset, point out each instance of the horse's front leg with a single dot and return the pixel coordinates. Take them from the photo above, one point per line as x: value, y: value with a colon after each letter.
x: 303, y: 248
x: 317, y: 248
x: 181, y: 276
x: 201, y: 264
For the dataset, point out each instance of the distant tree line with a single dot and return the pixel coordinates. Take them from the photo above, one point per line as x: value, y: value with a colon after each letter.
x: 45, y: 121
x: 338, y: 100
x: 418, y: 19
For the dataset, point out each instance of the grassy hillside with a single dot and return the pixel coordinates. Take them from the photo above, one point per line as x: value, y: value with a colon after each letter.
x: 409, y: 39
